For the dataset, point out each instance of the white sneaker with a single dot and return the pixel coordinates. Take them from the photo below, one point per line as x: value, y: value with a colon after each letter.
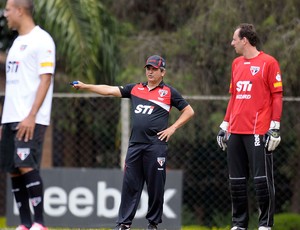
x: 37, y: 226
x: 237, y: 228
x: 22, y: 227
x: 264, y: 228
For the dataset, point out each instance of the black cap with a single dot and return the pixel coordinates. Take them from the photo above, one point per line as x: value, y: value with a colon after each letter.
x: 156, y: 61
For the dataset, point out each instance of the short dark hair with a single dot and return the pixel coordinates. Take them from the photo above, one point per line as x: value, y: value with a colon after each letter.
x: 248, y: 31
x: 26, y: 4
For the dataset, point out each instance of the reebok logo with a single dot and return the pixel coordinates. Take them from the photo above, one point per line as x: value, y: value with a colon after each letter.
x: 256, y: 140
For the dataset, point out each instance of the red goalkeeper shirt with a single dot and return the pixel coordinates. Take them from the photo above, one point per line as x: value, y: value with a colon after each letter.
x: 256, y: 95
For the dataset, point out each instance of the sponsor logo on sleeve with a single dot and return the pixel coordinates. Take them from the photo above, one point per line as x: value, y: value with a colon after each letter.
x: 279, y: 82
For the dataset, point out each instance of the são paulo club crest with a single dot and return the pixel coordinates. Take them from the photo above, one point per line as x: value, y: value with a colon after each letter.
x: 254, y: 70
x: 23, y: 153
x: 35, y: 201
x: 161, y: 161
x: 162, y: 92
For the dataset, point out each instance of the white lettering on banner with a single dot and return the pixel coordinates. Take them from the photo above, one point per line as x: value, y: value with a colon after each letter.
x: 55, y: 201
x: 168, y: 212
x: 143, y: 207
x: 80, y: 202
x: 103, y: 193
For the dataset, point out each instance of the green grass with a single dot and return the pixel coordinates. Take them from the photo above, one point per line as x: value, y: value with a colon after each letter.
x: 286, y: 221
x: 192, y: 227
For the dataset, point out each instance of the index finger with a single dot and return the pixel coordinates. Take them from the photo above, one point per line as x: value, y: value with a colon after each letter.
x: 73, y: 83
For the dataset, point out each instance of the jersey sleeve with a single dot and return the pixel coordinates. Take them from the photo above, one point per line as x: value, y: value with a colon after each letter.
x: 274, y: 77
x: 46, y: 55
x: 126, y: 90
x: 276, y: 88
x: 233, y: 66
x: 231, y: 89
x: 177, y: 100
x: 228, y: 110
x: 276, y: 106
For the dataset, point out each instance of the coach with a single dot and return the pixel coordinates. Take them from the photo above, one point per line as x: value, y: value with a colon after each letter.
x: 147, y: 151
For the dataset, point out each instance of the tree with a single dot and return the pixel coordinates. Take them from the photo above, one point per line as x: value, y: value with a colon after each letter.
x: 84, y: 34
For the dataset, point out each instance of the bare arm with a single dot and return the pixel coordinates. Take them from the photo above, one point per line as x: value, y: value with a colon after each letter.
x: 105, y: 90
x: 26, y: 127
x: 186, y: 114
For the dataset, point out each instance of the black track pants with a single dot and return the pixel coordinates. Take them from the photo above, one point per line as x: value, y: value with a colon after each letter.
x: 248, y: 156
x: 144, y: 163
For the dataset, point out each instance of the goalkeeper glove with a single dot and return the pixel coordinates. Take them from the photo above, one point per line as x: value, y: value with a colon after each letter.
x: 273, y: 136
x: 222, y: 135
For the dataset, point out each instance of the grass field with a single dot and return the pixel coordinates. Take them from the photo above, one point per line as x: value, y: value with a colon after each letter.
x: 183, y: 228
x: 4, y: 227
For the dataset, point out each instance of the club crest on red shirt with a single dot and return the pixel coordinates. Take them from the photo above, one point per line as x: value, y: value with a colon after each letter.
x: 162, y: 92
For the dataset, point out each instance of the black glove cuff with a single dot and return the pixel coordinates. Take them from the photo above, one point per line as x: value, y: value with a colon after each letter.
x: 274, y: 133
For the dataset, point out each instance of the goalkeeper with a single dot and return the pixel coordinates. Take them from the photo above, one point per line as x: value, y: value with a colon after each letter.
x: 250, y: 130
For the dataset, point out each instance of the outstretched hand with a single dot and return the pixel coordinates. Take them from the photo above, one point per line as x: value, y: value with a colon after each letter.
x: 77, y: 84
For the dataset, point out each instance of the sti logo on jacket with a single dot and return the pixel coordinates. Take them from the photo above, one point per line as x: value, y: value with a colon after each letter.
x: 144, y: 109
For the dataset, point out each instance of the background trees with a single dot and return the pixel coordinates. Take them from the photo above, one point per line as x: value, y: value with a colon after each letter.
x: 84, y: 33
x: 108, y: 41
x: 195, y: 37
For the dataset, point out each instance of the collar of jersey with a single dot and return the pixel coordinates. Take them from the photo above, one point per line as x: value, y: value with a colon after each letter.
x: 161, y: 84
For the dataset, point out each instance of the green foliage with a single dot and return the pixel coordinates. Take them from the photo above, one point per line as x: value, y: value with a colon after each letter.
x: 287, y: 221
x: 83, y: 31
x: 101, y: 41
x: 2, y: 222
x: 195, y: 36
x: 5, y: 35
x: 195, y: 227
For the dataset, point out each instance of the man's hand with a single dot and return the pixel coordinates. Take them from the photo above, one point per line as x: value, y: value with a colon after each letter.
x: 273, y: 136
x: 26, y: 129
x: 77, y: 84
x: 166, y: 134
x: 222, y: 135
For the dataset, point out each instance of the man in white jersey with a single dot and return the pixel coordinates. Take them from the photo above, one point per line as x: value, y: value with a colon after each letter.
x: 30, y: 67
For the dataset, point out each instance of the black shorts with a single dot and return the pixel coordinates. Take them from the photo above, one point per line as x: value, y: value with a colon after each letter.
x: 16, y: 154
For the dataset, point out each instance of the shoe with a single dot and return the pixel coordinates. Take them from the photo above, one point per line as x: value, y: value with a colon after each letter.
x: 37, y: 226
x: 152, y: 226
x: 264, y: 228
x: 238, y: 228
x: 22, y: 227
x: 122, y: 227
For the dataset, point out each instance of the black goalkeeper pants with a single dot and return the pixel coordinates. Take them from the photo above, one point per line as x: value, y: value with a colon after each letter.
x: 248, y: 156
x: 143, y: 163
